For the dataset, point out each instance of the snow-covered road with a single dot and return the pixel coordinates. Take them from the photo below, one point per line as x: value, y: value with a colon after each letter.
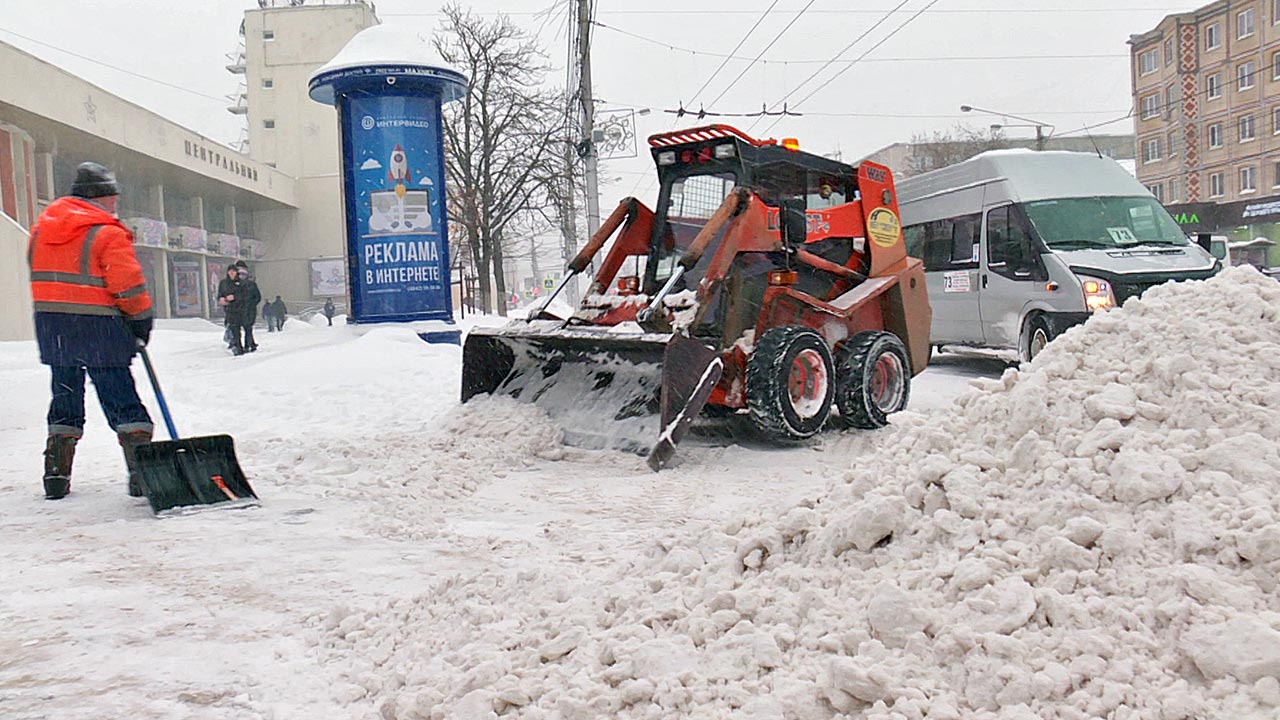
x: 375, y: 485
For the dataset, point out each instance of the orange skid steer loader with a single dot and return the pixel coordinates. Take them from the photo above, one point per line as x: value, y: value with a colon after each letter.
x: 769, y: 281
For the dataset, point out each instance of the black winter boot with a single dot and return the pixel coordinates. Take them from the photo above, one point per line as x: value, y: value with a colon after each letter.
x: 129, y: 441
x: 59, y: 451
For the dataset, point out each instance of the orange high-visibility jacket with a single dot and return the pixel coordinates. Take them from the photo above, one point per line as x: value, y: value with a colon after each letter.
x: 82, y: 263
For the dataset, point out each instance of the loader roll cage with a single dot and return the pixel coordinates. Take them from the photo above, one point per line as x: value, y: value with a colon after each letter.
x: 691, y: 162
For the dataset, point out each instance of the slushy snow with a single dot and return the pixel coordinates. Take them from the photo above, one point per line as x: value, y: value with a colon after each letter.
x: 1093, y: 536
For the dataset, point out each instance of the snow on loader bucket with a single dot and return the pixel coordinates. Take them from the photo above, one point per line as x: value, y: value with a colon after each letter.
x: 743, y: 298
x: 179, y: 473
x: 606, y: 390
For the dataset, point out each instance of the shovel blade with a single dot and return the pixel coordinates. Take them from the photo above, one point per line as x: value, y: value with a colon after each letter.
x: 191, y: 471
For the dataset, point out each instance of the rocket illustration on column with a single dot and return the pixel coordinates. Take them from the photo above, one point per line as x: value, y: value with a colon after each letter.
x: 400, y: 210
x: 399, y: 173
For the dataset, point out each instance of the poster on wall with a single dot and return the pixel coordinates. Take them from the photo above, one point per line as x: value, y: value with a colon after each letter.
x: 400, y: 260
x: 186, y: 286
x: 328, y: 278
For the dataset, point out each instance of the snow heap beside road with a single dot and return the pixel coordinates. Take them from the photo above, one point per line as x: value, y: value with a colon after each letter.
x: 1095, y: 536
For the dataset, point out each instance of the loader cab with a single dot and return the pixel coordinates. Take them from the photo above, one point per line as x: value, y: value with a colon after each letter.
x: 699, y: 168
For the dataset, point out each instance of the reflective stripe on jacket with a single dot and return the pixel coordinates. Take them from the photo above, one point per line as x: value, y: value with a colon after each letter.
x: 82, y: 263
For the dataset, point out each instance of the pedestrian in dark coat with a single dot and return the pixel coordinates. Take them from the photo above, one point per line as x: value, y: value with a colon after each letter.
x: 253, y: 296
x: 269, y: 314
x: 232, y: 298
x: 329, y: 310
x: 279, y: 312
x: 91, y: 312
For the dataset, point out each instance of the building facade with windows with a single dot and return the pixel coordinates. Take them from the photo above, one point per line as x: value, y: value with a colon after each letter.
x: 1206, y: 92
x: 193, y: 204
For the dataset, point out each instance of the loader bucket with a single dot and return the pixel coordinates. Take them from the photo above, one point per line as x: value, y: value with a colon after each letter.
x: 606, y: 390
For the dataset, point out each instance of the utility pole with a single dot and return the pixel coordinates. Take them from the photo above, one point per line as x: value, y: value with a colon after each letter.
x: 588, y: 117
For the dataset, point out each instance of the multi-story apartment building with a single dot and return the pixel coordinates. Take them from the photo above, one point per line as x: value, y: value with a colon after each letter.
x: 1206, y: 93
x: 1206, y: 90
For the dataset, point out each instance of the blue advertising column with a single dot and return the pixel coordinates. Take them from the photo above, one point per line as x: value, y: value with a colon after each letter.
x: 388, y: 87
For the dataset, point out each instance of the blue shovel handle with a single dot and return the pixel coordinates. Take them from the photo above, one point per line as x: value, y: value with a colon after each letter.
x: 155, y: 385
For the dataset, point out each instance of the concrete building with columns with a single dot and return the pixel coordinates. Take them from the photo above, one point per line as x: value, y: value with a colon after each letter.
x: 194, y: 204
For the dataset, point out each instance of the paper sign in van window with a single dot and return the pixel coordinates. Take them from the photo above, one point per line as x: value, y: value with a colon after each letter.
x: 1140, y: 211
x: 1121, y: 235
x: 957, y: 281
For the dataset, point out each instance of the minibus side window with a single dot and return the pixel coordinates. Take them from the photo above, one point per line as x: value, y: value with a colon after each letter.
x: 1009, y: 245
x: 950, y: 244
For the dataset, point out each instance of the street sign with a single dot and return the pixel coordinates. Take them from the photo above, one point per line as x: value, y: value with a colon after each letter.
x: 548, y: 283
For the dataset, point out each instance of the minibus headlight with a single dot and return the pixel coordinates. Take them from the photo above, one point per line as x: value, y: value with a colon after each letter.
x: 1098, y: 294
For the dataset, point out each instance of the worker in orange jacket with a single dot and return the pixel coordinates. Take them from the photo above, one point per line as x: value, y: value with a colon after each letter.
x: 91, y: 311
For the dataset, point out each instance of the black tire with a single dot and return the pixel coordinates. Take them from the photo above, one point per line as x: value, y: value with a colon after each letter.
x: 873, y: 379
x: 790, y: 383
x: 1038, y: 335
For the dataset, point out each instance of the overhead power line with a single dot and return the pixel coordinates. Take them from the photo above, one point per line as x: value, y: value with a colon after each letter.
x: 855, y: 61
x: 846, y: 11
x: 735, y: 49
x: 775, y: 39
x: 817, y: 61
x: 140, y: 76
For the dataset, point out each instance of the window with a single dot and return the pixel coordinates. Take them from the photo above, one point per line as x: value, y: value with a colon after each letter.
x: 950, y: 244
x: 269, y: 124
x: 268, y: 34
x: 1213, y: 86
x: 1275, y: 120
x: 1213, y: 36
x: 1151, y: 150
x: 1149, y: 61
x: 1170, y: 99
x: 1276, y: 182
x: 1275, y: 11
x: 1150, y: 105
x: 1215, y: 185
x: 1244, y: 76
x: 268, y: 83
x: 1157, y: 190
x: 1168, y: 52
x: 1275, y: 64
x: 1009, y: 246
x: 1248, y: 179
x: 1245, y: 124
x: 1215, y: 135
x: 1101, y: 222
x: 1244, y: 23
x: 1175, y: 190
x: 1173, y: 144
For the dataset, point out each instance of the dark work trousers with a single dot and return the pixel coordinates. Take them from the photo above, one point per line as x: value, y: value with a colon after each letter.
x: 238, y: 339
x: 120, y: 403
x: 249, y: 342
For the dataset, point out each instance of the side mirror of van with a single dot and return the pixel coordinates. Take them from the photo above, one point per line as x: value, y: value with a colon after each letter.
x: 1205, y: 240
x: 792, y: 221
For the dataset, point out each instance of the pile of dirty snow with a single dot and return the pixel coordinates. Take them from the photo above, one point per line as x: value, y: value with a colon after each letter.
x: 1094, y: 536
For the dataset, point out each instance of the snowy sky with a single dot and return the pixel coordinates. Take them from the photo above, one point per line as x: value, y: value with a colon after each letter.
x: 184, y: 43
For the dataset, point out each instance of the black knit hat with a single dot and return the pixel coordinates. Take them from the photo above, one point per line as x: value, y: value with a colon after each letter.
x: 243, y: 264
x: 232, y: 268
x: 94, y: 181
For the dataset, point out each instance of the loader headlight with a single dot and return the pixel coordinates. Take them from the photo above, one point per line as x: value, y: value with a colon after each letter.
x: 667, y: 158
x: 725, y: 151
x: 1098, y: 294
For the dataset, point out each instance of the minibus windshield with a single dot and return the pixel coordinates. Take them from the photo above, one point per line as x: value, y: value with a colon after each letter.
x: 1103, y: 222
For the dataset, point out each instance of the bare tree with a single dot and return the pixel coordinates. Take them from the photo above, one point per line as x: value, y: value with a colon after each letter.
x: 948, y: 147
x: 501, y: 138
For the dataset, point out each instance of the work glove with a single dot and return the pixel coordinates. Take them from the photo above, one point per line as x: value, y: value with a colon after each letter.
x: 141, y: 329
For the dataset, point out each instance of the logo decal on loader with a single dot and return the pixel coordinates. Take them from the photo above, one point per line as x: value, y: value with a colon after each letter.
x: 883, y: 227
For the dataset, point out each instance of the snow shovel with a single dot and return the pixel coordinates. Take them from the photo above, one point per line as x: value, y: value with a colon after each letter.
x: 184, y: 472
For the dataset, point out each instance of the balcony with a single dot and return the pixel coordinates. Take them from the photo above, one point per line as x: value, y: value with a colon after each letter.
x: 236, y: 62
x: 239, y: 101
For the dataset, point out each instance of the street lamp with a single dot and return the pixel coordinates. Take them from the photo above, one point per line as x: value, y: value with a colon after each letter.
x: 1039, y: 126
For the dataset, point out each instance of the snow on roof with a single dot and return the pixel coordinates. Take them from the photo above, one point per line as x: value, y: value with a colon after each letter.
x: 1028, y: 175
x: 389, y: 45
